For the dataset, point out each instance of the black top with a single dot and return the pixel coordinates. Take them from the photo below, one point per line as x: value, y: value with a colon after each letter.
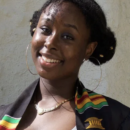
x: 111, y: 115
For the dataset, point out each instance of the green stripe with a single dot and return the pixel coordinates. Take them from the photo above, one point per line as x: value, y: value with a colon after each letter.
x: 90, y: 104
x: 93, y: 94
x: 10, y: 120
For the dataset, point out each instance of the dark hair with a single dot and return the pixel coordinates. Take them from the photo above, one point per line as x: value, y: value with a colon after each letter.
x: 95, y: 20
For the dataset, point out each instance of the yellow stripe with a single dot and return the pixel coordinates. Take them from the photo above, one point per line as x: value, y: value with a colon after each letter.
x: 96, y: 102
x: 91, y: 97
x: 95, y: 96
x: 87, y: 100
x: 83, y: 103
x: 8, y: 125
x: 85, y: 93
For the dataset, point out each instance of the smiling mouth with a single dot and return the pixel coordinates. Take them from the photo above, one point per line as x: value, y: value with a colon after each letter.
x: 47, y: 60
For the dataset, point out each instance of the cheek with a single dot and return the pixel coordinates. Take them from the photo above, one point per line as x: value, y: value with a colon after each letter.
x: 74, y: 57
x: 37, y: 40
x: 76, y: 52
x: 36, y: 45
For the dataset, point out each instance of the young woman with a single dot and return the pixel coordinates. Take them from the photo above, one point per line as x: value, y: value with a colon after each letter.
x: 65, y: 34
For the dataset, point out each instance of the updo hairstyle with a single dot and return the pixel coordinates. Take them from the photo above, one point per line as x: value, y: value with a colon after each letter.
x: 95, y: 20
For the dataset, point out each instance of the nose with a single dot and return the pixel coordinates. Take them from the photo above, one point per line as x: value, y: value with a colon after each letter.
x: 51, y: 42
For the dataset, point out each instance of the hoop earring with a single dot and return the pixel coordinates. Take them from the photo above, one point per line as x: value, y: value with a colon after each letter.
x: 26, y: 54
x: 100, y: 73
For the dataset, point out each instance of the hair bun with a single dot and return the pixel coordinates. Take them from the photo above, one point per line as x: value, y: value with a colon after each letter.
x: 34, y: 22
x: 106, y: 47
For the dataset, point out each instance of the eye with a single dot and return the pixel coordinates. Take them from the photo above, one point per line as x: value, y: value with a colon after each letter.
x: 46, y: 30
x: 67, y: 37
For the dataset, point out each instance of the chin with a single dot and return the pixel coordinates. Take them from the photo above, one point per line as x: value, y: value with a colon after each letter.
x: 47, y: 75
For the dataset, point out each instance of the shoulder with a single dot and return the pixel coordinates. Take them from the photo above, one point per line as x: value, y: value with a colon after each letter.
x: 21, y: 103
x: 120, y: 113
x: 117, y: 107
x: 114, y: 115
x: 3, y: 109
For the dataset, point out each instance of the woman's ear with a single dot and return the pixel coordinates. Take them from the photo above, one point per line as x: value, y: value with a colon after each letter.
x: 90, y: 49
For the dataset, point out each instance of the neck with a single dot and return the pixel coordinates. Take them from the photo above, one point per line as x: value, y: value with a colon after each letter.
x: 61, y: 89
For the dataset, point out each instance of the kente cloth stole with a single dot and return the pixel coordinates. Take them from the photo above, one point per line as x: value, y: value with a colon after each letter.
x: 88, y: 106
x: 89, y: 100
x: 9, y: 123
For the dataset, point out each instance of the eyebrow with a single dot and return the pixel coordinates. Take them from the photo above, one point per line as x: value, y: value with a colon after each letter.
x: 67, y: 25
x: 71, y: 26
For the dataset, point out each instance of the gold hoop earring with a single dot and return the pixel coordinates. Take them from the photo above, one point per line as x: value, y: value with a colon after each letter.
x: 26, y: 54
x: 100, y: 73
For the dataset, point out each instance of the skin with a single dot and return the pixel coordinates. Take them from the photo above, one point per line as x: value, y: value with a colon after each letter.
x: 62, y: 36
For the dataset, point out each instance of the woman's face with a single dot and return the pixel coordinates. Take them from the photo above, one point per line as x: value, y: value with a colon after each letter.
x: 60, y: 42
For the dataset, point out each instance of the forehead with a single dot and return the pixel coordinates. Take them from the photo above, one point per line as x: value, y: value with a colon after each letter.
x: 63, y: 14
x: 66, y: 10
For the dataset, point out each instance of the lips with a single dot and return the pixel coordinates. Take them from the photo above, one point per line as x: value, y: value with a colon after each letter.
x: 48, y: 60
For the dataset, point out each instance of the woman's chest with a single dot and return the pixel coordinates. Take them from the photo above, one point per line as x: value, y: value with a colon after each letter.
x: 55, y: 120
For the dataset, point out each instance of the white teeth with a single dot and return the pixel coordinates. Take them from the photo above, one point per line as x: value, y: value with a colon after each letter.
x: 50, y: 60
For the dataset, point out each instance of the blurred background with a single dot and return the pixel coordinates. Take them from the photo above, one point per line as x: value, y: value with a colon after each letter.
x: 15, y: 36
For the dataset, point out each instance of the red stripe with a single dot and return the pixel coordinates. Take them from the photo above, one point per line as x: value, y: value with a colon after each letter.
x: 3, y: 128
x: 79, y: 101
x: 97, y: 98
